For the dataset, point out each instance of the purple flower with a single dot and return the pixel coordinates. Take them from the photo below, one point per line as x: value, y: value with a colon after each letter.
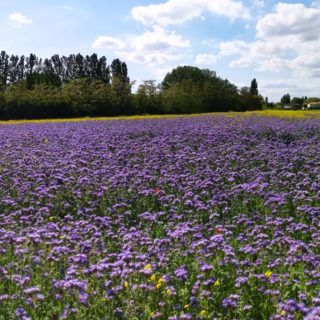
x: 313, y: 314
x: 181, y: 273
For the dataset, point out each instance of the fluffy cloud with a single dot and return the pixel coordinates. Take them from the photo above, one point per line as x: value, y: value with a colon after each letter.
x: 155, y: 47
x: 316, y: 4
x: 230, y: 48
x: 290, y: 19
x: 19, y: 19
x: 159, y: 40
x: 280, y: 86
x: 286, y: 34
x: 286, y: 42
x: 206, y: 59
x: 179, y: 11
x: 107, y: 42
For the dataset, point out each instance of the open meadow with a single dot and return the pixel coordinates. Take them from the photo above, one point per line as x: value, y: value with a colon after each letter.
x: 189, y: 217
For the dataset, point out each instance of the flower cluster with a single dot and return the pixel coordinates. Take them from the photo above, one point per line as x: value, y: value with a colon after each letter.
x: 207, y: 217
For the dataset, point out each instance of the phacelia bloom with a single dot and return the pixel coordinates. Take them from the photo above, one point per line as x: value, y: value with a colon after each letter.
x: 181, y: 273
x: 314, y: 314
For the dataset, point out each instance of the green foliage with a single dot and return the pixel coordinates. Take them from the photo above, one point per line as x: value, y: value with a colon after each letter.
x: 297, y: 103
x: 148, y: 99
x: 2, y: 104
x: 41, y: 102
x: 48, y: 79
x: 189, y: 89
x: 247, y: 101
x: 183, y: 97
x: 78, y: 86
x: 254, y: 88
x: 311, y: 99
x: 183, y: 73
x: 286, y: 99
x: 121, y: 95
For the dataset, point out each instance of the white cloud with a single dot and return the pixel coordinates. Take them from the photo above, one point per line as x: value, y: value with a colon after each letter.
x: 316, y: 4
x: 286, y: 42
x: 229, y: 48
x: 156, y: 47
x: 160, y: 73
x: 206, y: 59
x: 68, y: 8
x: 107, y: 42
x: 274, y: 64
x: 290, y: 19
x: 19, y: 19
x: 159, y: 40
x: 179, y: 11
x: 296, y: 87
x: 283, y: 40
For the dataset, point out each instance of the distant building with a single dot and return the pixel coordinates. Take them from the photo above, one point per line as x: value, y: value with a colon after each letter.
x: 313, y: 105
x: 291, y: 106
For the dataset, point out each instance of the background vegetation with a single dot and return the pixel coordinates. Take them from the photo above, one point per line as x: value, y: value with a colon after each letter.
x: 78, y: 86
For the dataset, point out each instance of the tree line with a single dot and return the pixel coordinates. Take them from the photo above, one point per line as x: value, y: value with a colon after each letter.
x: 78, y: 86
x: 297, y: 102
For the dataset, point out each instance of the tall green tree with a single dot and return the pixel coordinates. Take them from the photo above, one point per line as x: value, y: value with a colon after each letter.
x: 121, y: 87
x: 21, y: 68
x: 197, y: 90
x: 286, y: 99
x: 147, y: 99
x: 103, y: 70
x: 119, y: 70
x: 249, y: 102
x: 254, y: 88
x: 4, y: 68
x: 31, y: 63
x: 183, y: 73
x: 13, y: 69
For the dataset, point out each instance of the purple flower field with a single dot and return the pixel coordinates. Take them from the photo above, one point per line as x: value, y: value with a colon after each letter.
x: 187, y: 218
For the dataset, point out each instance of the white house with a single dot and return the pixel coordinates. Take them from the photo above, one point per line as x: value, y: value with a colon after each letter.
x: 313, y: 105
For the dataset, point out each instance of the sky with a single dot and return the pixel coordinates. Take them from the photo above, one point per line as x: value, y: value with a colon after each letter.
x: 277, y: 43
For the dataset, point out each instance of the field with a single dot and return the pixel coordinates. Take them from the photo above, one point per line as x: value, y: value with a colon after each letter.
x: 202, y: 217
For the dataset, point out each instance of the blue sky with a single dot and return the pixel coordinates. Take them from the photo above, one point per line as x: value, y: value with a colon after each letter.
x: 278, y: 43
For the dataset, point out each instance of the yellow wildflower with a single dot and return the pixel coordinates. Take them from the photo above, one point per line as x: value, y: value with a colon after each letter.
x: 147, y: 267
x: 51, y: 218
x: 169, y: 292
x: 159, y: 283
x: 282, y: 313
x: 153, y: 278
x: 203, y: 313
x: 126, y: 284
x: 268, y: 274
x: 217, y: 283
x: 152, y: 314
x: 61, y: 237
x: 186, y: 306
